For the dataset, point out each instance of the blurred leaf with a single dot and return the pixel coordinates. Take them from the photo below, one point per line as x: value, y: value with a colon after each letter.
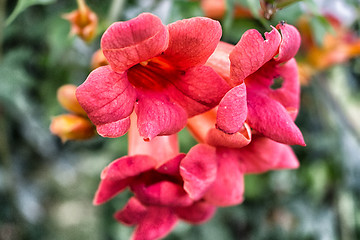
x: 24, y: 4
x: 320, y: 26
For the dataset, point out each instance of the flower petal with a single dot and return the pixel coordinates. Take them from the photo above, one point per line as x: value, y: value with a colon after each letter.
x: 128, y: 166
x: 192, y: 41
x: 106, y: 96
x: 132, y: 213
x: 290, y: 42
x: 232, y: 110
x: 126, y: 44
x: 251, y: 52
x: 228, y: 188
x: 201, y: 89
x: 172, y: 166
x: 157, y: 115
x: 114, y: 129
x: 119, y: 174
x: 271, y: 119
x: 197, y: 213
x: 263, y: 154
x: 219, y: 60
x: 288, y: 159
x: 108, y: 189
x: 198, y: 170
x: 164, y: 193
x: 157, y: 223
x: 218, y: 138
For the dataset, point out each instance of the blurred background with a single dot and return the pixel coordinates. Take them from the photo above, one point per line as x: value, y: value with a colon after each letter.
x: 47, y: 185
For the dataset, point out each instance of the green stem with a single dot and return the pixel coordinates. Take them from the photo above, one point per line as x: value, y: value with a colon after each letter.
x: 115, y: 10
x: 2, y: 24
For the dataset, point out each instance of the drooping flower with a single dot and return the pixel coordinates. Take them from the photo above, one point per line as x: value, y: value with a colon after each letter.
x: 216, y: 175
x: 74, y: 125
x: 156, y: 70
x: 83, y: 21
x: 151, y: 171
x: 253, y: 65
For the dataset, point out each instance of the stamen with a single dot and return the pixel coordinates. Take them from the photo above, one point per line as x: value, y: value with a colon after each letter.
x: 144, y: 63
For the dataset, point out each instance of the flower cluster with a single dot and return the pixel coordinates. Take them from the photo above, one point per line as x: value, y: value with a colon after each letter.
x: 160, y: 79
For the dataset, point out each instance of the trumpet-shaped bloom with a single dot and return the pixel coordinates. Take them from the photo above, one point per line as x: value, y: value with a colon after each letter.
x: 216, y: 175
x: 152, y: 172
x: 253, y: 65
x: 156, y: 70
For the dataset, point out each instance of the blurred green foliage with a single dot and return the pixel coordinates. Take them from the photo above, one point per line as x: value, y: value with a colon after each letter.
x: 46, y: 187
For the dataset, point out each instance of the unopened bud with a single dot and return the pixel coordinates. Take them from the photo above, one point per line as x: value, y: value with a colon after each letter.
x: 67, y: 99
x: 98, y: 59
x: 72, y: 127
x: 83, y: 21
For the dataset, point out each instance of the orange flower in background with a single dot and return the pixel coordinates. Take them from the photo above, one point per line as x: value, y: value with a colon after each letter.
x: 74, y: 125
x: 216, y: 9
x: 98, y: 59
x: 71, y: 127
x: 83, y: 21
x: 337, y: 47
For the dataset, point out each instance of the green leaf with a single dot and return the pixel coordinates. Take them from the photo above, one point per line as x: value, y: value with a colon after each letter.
x: 320, y: 26
x: 24, y: 4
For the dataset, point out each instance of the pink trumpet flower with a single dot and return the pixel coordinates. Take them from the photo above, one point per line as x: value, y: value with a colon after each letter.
x: 157, y: 70
x: 152, y: 172
x: 216, y: 175
x: 251, y: 68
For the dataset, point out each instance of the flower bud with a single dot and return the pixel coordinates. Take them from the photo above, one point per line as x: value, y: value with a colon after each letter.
x: 98, y: 59
x: 83, y: 21
x: 72, y: 127
x: 67, y: 99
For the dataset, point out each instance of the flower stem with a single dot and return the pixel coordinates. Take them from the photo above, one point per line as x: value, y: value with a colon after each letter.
x: 2, y: 24
x: 115, y: 10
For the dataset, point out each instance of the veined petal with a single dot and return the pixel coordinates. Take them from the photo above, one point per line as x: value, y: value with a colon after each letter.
x: 251, y: 52
x: 126, y: 44
x: 164, y: 193
x: 198, y: 170
x: 106, y: 96
x: 156, y: 224
x: 119, y: 174
x: 290, y: 42
x: 114, y: 129
x: 108, y: 189
x: 232, y: 110
x: 132, y: 213
x: 197, y: 213
x: 201, y: 89
x: 271, y: 119
x: 128, y: 166
x: 192, y: 41
x: 228, y: 188
x: 263, y: 154
x: 157, y: 115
